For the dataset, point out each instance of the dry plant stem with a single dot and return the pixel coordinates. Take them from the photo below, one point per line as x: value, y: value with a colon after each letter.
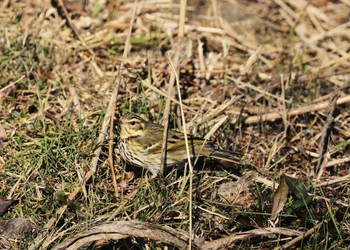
x: 75, y: 30
x: 283, y: 108
x: 345, y: 179
x: 257, y: 89
x: 338, y: 161
x: 168, y: 101
x: 183, y: 4
x: 188, y: 155
x: 302, y: 110
x: 166, y: 114
x: 325, y: 135
x: 159, y: 92
x: 111, y: 141
x: 103, y: 133
x: 229, y: 241
x: 127, y: 43
x: 124, y: 229
x: 170, y: 90
x: 119, y: 79
x: 122, y: 204
x: 76, y: 103
x: 108, y: 117
x: 300, y: 237
x: 12, y: 84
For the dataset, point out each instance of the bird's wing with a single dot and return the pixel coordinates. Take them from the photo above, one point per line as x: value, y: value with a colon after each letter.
x: 176, y: 142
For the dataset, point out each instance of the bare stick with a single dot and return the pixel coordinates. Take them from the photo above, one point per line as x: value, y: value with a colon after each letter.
x: 228, y: 242
x: 187, y: 152
x: 112, y: 108
x: 111, y: 141
x: 93, y: 165
x: 74, y: 28
x: 12, y: 84
x: 302, y: 110
x: 159, y: 92
x: 183, y: 4
x: 325, y: 135
x: 300, y: 237
x: 123, y: 229
x: 166, y: 115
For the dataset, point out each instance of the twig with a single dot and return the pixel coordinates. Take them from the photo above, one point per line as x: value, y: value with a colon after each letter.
x: 302, y: 110
x: 74, y: 28
x: 257, y: 89
x: 183, y: 5
x: 113, y: 104
x: 187, y: 152
x: 345, y: 178
x: 12, y: 84
x: 325, y: 134
x: 227, y: 242
x: 111, y: 140
x: 300, y: 237
x: 337, y: 162
x: 77, y: 106
x: 123, y: 229
x: 93, y: 165
x: 166, y: 114
x: 108, y: 116
x: 122, y: 204
x: 159, y: 92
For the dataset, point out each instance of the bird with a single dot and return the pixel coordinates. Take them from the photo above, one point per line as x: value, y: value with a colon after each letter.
x: 140, y: 144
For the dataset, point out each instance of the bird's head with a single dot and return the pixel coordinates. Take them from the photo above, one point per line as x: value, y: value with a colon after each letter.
x: 131, y: 125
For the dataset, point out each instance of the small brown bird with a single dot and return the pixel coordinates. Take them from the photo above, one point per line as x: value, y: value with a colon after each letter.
x: 140, y: 144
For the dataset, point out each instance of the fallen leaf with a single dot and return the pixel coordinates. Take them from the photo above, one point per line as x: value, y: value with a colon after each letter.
x: 237, y: 192
x: 279, y: 198
x: 4, y: 205
x: 297, y: 188
x: 12, y: 229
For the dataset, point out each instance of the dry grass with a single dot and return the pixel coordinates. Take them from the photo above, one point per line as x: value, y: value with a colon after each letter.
x: 265, y: 71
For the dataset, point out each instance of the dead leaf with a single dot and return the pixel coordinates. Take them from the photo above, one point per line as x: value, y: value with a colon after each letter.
x: 12, y: 229
x: 237, y: 192
x: 4, y: 205
x: 297, y: 188
x: 279, y: 198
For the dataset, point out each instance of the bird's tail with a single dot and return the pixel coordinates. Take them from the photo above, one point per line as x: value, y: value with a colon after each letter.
x: 225, y: 156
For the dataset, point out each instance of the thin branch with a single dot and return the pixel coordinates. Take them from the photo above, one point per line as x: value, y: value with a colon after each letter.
x: 325, y: 135
x: 187, y: 152
x: 74, y: 28
x: 298, y: 111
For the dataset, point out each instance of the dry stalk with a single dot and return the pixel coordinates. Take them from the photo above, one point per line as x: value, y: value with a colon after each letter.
x: 12, y: 84
x: 107, y: 119
x: 228, y: 242
x: 75, y: 30
x: 124, y: 229
x: 187, y: 152
x: 111, y: 140
x: 166, y: 115
x: 325, y: 135
x: 302, y: 110
x: 301, y: 237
